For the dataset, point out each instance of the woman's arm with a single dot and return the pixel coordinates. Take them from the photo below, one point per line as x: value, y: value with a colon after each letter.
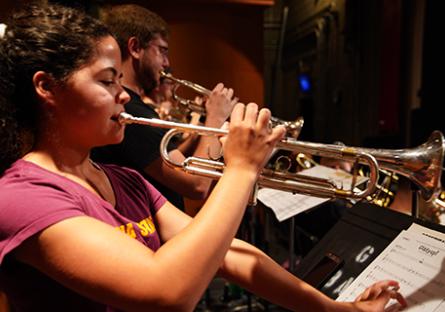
x: 250, y: 268
x: 104, y: 264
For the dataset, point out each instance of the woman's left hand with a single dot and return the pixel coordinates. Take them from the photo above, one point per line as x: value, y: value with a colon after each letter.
x: 376, y: 296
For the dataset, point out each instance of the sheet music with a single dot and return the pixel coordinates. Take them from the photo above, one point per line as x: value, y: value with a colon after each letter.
x: 416, y: 259
x: 286, y: 205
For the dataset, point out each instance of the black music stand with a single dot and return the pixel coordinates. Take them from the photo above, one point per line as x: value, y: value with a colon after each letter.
x: 357, y: 239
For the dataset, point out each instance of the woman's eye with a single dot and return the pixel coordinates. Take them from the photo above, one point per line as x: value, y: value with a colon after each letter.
x: 108, y: 82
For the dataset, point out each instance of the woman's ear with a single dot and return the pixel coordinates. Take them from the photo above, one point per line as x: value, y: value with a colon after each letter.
x: 44, y: 86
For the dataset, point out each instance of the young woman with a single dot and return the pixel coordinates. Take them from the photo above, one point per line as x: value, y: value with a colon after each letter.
x: 80, y: 236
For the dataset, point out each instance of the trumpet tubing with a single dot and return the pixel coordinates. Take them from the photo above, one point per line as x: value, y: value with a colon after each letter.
x: 382, y: 197
x: 268, y: 178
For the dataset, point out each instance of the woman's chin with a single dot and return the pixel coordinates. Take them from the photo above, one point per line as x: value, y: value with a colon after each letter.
x: 116, y: 140
x: 119, y: 139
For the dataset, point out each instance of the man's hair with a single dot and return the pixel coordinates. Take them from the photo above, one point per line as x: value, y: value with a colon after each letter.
x: 130, y: 20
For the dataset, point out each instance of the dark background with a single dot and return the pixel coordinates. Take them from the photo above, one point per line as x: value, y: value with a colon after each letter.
x: 373, y: 64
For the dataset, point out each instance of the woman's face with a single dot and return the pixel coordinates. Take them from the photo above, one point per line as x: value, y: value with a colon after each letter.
x: 89, y: 102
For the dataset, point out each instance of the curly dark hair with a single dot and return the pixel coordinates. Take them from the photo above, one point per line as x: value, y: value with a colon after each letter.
x: 51, y: 38
x: 131, y: 20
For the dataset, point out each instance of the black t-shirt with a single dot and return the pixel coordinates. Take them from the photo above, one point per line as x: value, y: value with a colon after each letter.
x: 139, y: 148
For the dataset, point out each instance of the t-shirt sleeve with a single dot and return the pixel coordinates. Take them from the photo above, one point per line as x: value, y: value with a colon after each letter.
x: 29, y: 210
x: 155, y: 197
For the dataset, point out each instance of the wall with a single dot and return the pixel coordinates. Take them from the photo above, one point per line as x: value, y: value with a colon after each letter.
x: 359, y: 55
x: 216, y: 41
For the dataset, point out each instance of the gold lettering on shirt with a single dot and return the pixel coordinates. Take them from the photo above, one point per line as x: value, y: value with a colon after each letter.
x: 145, y: 227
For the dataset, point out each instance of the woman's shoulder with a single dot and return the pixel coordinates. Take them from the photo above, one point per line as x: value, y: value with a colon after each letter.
x: 31, y: 199
x: 24, y: 183
x: 23, y: 174
x: 32, y: 189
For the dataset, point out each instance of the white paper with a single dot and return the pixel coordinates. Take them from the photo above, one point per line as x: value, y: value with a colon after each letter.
x: 285, y: 204
x: 416, y: 259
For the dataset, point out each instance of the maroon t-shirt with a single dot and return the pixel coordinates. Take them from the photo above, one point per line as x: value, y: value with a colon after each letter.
x: 33, y: 198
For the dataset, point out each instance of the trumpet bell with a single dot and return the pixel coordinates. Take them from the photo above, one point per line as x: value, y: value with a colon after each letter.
x: 424, y: 165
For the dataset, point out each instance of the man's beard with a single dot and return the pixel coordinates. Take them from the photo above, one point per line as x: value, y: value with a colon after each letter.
x: 149, y: 89
x: 149, y: 84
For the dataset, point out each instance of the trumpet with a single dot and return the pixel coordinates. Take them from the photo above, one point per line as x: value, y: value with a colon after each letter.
x: 434, y: 209
x: 293, y: 128
x: 183, y: 102
x: 422, y: 165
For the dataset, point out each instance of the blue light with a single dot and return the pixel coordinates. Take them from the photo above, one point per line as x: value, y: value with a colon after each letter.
x: 304, y: 82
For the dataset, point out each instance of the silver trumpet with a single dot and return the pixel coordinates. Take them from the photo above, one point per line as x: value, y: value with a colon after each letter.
x: 422, y: 165
x: 293, y: 128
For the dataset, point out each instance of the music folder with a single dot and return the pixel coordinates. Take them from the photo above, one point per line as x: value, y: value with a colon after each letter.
x: 374, y: 243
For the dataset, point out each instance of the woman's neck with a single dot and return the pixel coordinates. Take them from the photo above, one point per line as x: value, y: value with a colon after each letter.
x: 81, y: 170
x: 60, y: 162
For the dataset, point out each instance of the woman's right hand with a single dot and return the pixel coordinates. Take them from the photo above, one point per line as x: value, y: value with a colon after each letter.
x: 250, y: 141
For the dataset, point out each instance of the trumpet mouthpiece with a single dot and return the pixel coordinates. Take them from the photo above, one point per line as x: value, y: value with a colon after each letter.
x: 164, y: 74
x: 124, y: 118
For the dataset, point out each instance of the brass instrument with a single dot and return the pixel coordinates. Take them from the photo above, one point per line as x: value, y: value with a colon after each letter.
x: 386, y: 189
x: 293, y: 128
x: 434, y: 209
x: 384, y: 194
x: 422, y: 165
x: 186, y: 104
x: 439, y: 207
x: 305, y: 162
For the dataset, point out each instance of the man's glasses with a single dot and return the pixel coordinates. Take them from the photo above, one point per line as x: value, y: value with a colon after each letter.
x: 161, y: 49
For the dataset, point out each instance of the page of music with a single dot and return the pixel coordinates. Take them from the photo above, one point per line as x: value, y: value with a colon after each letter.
x: 416, y: 259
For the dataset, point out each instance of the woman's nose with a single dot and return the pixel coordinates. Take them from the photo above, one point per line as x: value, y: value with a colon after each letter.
x: 123, y: 97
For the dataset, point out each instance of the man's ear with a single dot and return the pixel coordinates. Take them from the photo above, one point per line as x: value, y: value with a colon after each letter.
x: 134, y: 47
x: 44, y: 86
